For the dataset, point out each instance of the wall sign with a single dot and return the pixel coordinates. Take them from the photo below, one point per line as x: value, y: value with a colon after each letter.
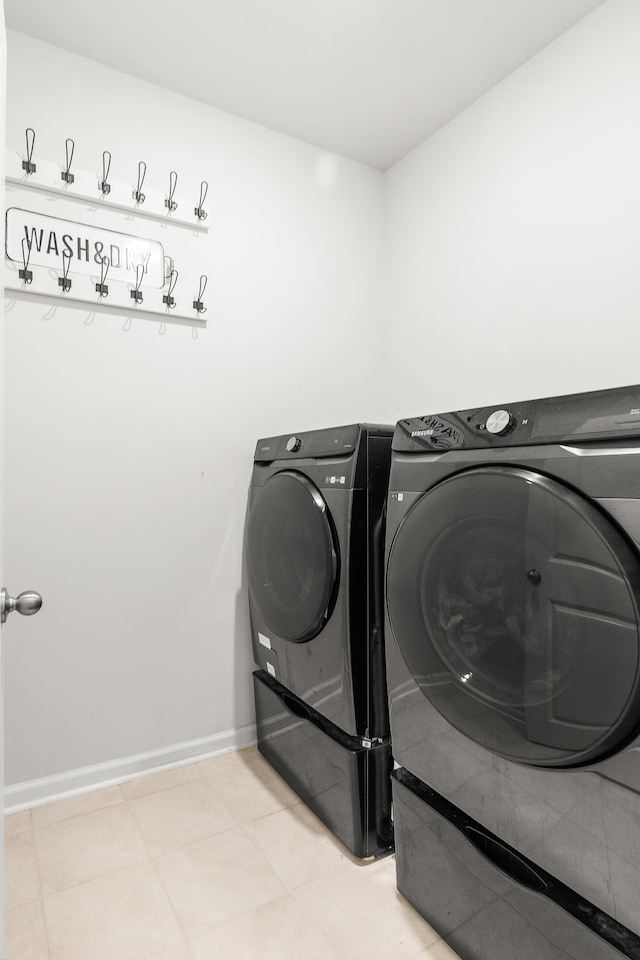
x: 47, y: 239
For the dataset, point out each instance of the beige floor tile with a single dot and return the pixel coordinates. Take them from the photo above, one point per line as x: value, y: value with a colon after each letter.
x: 75, y: 806
x: 26, y: 935
x: 143, y: 786
x: 386, y: 926
x: 123, y: 916
x: 21, y: 870
x: 180, y: 815
x: 235, y: 763
x: 248, y: 785
x: 17, y: 823
x: 297, y: 845
x: 214, y: 880
x: 89, y: 846
x: 274, y: 931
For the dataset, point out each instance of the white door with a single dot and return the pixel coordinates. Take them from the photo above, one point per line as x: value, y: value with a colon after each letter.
x: 27, y: 602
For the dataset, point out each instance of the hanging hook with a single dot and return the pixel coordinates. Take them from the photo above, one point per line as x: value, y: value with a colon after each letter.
x: 198, y: 304
x: 199, y: 211
x: 138, y: 195
x: 27, y: 164
x: 105, y: 187
x: 136, y: 293
x: 102, y: 287
x: 26, y: 274
x: 168, y: 299
x: 66, y: 175
x: 170, y: 203
x: 64, y: 281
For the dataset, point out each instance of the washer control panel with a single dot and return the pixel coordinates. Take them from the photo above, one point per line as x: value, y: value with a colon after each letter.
x: 599, y: 415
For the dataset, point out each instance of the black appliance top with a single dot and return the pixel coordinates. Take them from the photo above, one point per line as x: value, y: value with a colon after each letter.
x: 314, y: 444
x: 598, y: 415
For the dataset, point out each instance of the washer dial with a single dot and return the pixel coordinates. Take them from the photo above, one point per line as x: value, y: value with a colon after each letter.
x: 500, y: 422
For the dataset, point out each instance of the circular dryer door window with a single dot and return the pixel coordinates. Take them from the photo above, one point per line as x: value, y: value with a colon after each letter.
x: 292, y: 556
x: 514, y: 602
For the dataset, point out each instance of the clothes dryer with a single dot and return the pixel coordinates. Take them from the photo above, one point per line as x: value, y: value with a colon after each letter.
x: 314, y: 547
x: 513, y: 658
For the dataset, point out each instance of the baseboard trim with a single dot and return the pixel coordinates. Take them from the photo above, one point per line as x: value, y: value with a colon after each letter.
x: 72, y: 783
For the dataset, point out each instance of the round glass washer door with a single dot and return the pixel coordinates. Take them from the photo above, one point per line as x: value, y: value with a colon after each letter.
x: 514, y: 602
x: 292, y: 556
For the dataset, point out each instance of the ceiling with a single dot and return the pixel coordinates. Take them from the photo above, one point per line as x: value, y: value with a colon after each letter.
x: 369, y: 79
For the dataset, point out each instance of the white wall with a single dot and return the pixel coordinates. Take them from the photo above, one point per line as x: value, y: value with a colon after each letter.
x: 514, y: 233
x: 128, y: 452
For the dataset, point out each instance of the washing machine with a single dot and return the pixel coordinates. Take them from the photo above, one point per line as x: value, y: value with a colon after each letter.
x: 513, y: 662
x: 315, y: 553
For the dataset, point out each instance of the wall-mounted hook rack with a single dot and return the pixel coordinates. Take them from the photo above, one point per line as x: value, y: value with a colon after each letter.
x: 101, y: 307
x: 198, y: 304
x: 105, y: 186
x: 37, y: 268
x: 168, y: 299
x: 84, y: 293
x: 27, y: 164
x: 199, y: 211
x: 170, y: 203
x: 87, y: 189
x: 66, y: 174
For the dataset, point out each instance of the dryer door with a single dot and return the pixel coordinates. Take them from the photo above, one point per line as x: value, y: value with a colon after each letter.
x: 515, y: 604
x: 292, y: 556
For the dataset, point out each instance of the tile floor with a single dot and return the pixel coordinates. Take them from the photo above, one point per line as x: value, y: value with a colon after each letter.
x: 208, y: 861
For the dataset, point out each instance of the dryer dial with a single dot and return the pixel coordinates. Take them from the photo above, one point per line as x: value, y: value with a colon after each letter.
x: 294, y: 444
x: 500, y: 422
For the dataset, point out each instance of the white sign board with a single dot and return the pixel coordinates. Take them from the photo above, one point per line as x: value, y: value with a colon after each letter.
x: 48, y: 238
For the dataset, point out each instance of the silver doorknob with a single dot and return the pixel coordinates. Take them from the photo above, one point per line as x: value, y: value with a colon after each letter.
x: 27, y: 603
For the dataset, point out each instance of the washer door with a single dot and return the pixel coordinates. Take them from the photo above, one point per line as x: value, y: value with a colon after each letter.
x: 514, y: 602
x: 292, y: 556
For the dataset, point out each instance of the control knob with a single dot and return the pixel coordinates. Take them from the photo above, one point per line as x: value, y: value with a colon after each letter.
x: 500, y: 422
x: 294, y: 444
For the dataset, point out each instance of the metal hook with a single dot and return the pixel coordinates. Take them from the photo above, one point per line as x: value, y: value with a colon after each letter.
x: 27, y: 164
x: 170, y: 203
x: 168, y: 299
x: 198, y: 304
x: 64, y: 281
x: 102, y: 287
x: 136, y: 293
x: 26, y: 274
x: 199, y: 211
x: 138, y: 195
x: 106, y: 166
x: 66, y: 175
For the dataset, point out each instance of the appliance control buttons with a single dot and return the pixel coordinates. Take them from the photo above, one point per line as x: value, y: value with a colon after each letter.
x: 294, y: 444
x: 500, y: 422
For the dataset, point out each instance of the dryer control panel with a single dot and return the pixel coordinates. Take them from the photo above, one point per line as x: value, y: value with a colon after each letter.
x: 599, y: 415
x: 334, y: 442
